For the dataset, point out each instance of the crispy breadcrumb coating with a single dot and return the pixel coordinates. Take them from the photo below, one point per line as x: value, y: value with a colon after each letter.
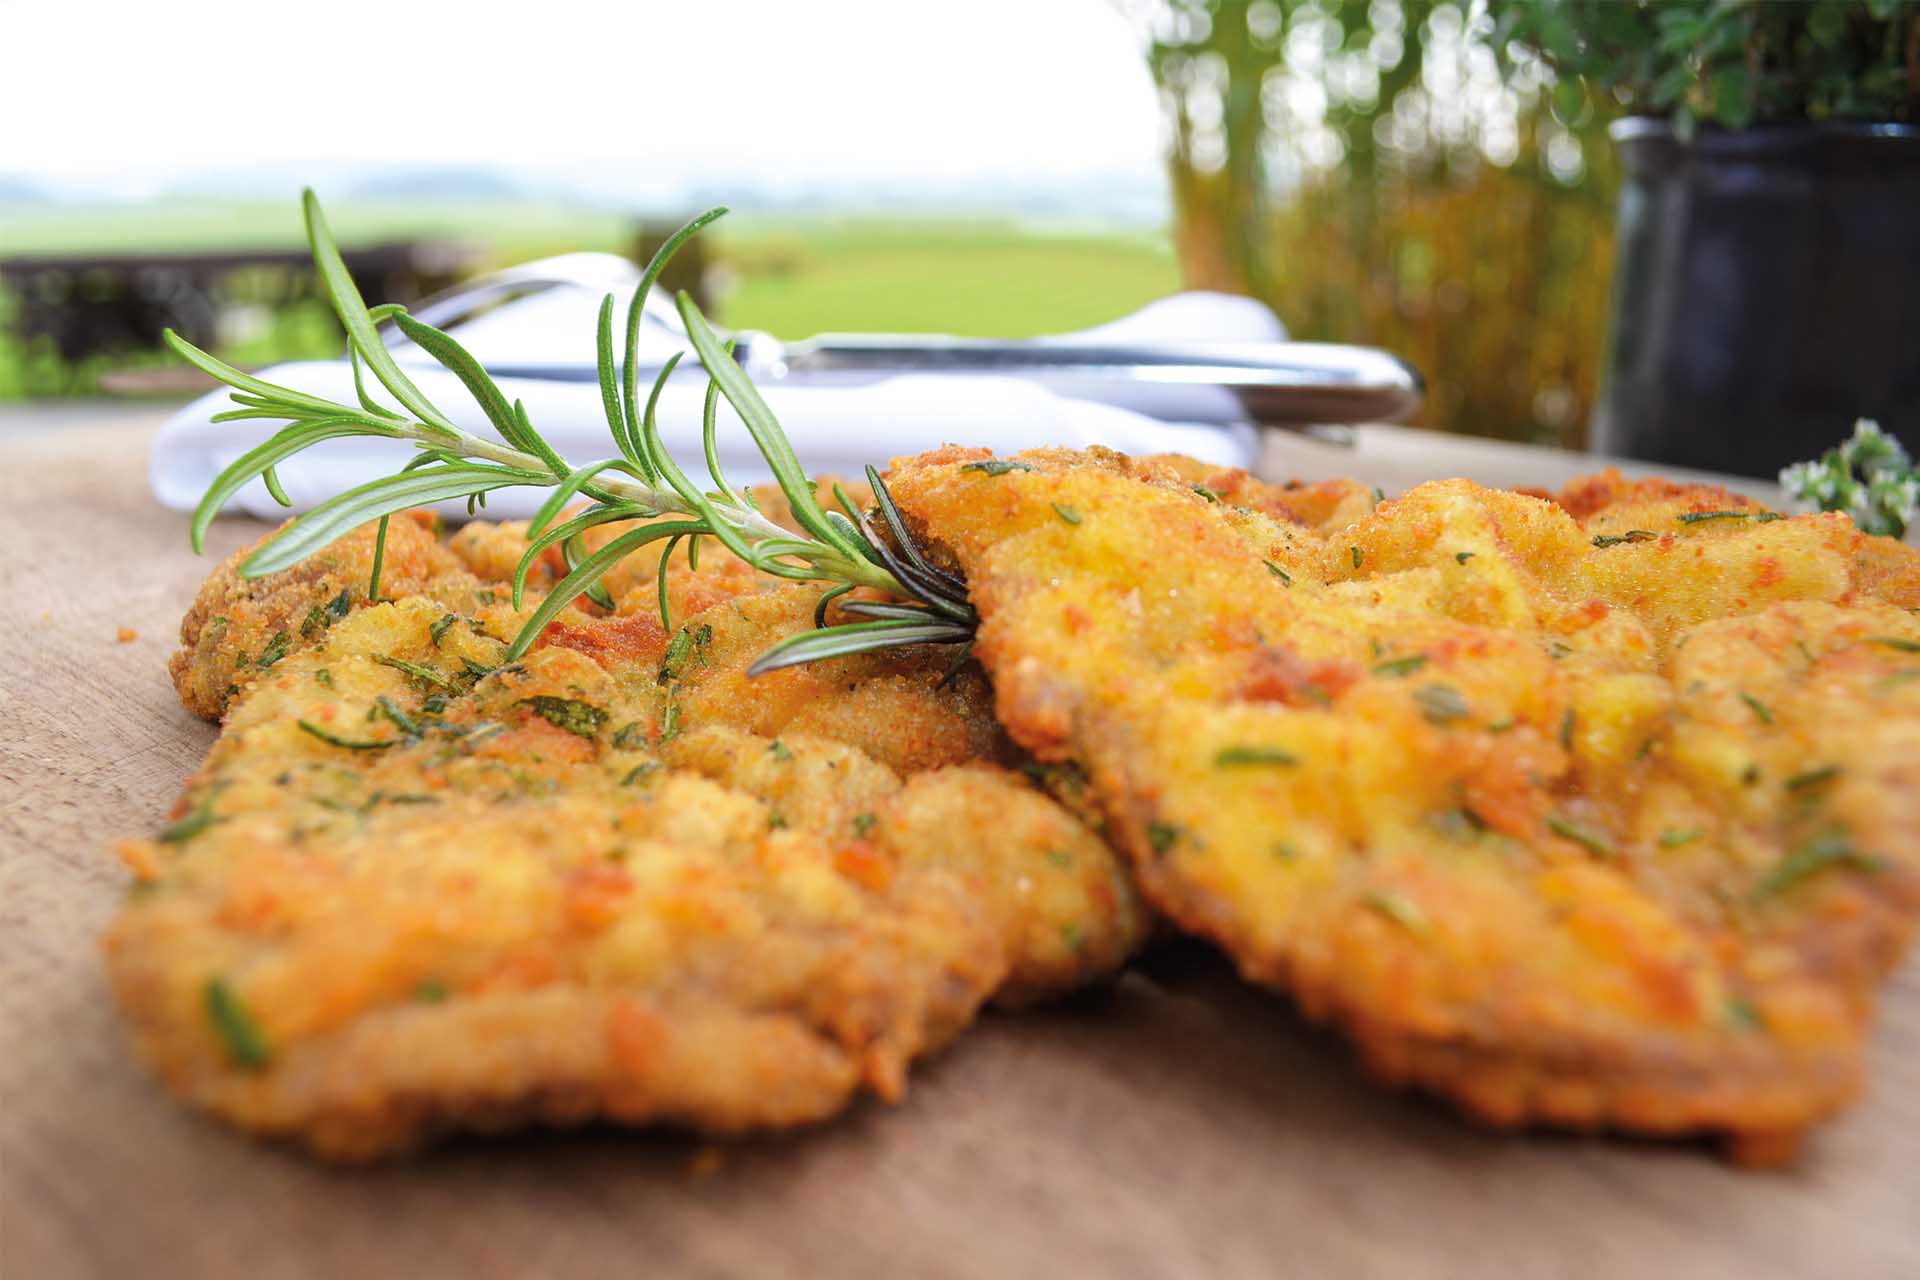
x: 1324, y: 505
x: 415, y: 890
x: 1597, y: 814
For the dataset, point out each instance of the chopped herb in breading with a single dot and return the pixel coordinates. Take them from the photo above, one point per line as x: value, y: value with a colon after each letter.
x: 582, y: 719
x: 276, y: 649
x: 426, y: 675
x: 246, y: 1046
x: 1244, y: 757
x: 350, y: 744
x: 196, y: 820
x: 1813, y: 778
x: 1830, y: 848
x: 1591, y: 841
x: 1442, y: 703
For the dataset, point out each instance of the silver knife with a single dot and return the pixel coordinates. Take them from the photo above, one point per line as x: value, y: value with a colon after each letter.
x: 1280, y: 384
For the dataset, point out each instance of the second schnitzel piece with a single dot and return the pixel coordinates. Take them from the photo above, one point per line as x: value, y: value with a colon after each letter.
x: 1573, y: 824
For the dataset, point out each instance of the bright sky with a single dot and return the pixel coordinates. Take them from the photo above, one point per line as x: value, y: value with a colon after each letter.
x: 790, y: 92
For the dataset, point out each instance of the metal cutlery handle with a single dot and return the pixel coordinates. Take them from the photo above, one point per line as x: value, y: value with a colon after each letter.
x: 1273, y: 383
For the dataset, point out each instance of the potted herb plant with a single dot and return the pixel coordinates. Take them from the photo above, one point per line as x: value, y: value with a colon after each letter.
x: 1768, y: 281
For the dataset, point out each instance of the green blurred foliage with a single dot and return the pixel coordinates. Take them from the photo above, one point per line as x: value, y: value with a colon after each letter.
x: 792, y: 276
x: 1434, y: 176
x: 1377, y: 172
x: 1731, y: 63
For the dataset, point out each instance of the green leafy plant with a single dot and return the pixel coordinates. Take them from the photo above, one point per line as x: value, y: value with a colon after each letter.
x: 1731, y: 63
x: 1358, y: 166
x: 1869, y: 476
x: 640, y: 482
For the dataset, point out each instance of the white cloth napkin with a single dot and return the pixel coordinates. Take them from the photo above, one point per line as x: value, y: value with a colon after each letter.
x: 835, y: 430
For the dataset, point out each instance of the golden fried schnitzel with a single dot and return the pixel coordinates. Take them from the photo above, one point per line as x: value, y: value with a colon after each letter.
x: 414, y: 889
x: 1603, y: 813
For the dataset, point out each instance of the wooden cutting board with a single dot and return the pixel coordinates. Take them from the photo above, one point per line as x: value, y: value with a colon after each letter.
x: 1178, y: 1124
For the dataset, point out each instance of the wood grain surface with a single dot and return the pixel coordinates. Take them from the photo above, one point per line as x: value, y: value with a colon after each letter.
x: 1176, y: 1124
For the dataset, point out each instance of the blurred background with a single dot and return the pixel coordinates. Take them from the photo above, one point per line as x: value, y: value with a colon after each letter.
x: 1369, y: 168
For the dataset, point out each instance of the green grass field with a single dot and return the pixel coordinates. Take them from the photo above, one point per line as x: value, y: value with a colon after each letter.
x: 790, y: 276
x: 980, y: 279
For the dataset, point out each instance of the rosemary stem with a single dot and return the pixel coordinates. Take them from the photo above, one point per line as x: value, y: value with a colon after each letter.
x: 643, y: 482
x: 754, y: 526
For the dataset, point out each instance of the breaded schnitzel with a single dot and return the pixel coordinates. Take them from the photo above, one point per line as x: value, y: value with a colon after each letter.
x: 413, y: 889
x: 1603, y: 814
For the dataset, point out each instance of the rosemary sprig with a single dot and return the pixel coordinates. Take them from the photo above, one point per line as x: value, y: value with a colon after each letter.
x: 641, y: 482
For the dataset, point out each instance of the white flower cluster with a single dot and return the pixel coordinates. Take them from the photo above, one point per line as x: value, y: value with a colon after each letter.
x: 1870, y: 477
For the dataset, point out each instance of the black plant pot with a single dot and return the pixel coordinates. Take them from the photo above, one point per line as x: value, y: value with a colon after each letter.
x: 1767, y: 293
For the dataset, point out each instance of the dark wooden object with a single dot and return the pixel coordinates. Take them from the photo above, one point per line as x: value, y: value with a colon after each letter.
x: 103, y: 304
x: 688, y: 269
